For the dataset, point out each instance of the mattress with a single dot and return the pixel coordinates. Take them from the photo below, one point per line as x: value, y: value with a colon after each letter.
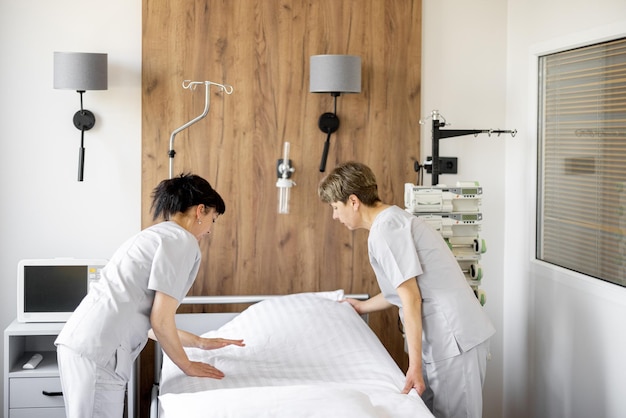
x: 306, y: 355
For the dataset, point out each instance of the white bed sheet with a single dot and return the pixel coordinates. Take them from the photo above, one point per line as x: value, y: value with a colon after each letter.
x: 306, y: 355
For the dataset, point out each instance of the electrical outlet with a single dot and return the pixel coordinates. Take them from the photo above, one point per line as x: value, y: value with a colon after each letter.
x: 447, y: 165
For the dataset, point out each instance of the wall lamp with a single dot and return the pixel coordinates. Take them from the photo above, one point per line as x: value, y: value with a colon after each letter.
x: 81, y: 71
x: 334, y: 74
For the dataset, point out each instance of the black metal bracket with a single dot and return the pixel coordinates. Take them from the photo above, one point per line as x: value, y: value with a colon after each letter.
x: 280, y: 170
x: 438, y: 133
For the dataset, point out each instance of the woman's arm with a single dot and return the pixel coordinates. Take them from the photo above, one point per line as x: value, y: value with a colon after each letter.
x: 411, y: 298
x: 164, y: 328
x: 188, y: 339
x: 191, y: 340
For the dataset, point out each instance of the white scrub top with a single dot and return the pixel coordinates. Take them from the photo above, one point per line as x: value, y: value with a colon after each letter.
x: 115, y: 314
x: 402, y: 246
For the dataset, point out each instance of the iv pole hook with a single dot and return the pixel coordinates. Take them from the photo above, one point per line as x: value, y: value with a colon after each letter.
x: 191, y: 85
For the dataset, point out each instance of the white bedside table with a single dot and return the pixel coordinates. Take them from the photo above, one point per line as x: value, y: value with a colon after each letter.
x: 32, y: 393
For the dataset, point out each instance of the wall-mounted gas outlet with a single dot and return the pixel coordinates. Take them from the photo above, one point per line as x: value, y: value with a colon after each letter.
x: 447, y: 165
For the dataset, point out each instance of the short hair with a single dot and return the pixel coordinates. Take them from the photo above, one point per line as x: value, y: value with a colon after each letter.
x: 346, y: 179
x: 180, y: 193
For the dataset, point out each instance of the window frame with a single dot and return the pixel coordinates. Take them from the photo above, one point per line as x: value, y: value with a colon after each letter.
x: 540, y: 152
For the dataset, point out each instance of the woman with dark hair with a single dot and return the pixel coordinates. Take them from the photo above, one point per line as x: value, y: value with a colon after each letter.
x: 136, y: 297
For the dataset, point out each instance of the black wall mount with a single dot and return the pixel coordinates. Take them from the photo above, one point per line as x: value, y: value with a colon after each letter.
x: 447, y: 165
x: 328, y: 122
x: 438, y: 133
x: 84, y: 120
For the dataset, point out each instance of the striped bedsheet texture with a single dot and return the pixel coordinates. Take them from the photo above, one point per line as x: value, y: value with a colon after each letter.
x: 306, y: 354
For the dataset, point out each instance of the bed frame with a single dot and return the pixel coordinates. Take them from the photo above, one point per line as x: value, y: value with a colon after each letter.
x: 199, y: 323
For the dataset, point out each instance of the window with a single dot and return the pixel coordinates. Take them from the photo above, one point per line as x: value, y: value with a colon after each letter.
x: 581, y: 205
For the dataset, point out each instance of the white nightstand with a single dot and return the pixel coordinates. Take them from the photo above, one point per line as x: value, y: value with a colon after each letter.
x: 37, y: 392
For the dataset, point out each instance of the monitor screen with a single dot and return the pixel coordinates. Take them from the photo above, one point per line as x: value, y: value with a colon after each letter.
x: 54, y: 288
x: 49, y: 290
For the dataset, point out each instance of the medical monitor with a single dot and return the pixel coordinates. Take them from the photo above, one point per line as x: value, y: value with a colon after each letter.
x: 49, y: 290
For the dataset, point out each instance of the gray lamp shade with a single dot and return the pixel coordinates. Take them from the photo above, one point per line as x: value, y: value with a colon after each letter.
x: 80, y: 71
x: 335, y: 73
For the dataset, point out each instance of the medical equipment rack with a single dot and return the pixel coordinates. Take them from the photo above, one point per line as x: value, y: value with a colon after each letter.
x: 454, y: 212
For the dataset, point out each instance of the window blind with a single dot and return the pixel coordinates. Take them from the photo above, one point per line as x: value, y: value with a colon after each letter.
x: 581, y: 205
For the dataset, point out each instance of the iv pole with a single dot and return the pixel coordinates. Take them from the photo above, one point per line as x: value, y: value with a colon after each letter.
x: 207, y: 100
x: 438, y: 133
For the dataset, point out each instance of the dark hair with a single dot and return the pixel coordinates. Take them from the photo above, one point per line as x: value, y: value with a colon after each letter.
x: 180, y: 193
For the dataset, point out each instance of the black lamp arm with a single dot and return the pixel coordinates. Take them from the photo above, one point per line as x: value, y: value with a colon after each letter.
x: 84, y: 120
x: 325, y: 154
x: 328, y: 123
x: 81, y: 156
x: 81, y: 97
x: 335, y: 94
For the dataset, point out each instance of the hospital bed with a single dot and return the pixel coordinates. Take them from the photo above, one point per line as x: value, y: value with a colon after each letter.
x: 306, y: 355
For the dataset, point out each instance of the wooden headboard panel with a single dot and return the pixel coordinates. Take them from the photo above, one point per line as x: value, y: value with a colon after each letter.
x: 262, y: 49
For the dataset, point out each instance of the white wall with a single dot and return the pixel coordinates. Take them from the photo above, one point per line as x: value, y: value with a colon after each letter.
x: 44, y: 211
x: 564, y: 333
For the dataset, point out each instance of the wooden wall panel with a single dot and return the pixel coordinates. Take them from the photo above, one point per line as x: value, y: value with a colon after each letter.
x: 262, y: 49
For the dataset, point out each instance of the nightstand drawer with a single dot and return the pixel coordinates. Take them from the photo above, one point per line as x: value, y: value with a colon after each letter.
x: 29, y: 392
x: 37, y: 413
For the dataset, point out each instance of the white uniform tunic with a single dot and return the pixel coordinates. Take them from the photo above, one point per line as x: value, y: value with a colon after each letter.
x: 402, y: 246
x: 110, y: 326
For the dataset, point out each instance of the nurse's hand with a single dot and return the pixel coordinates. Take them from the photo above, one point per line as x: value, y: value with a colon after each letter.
x: 198, y: 369
x: 215, y: 343
x: 356, y: 304
x: 414, y: 380
x: 374, y: 304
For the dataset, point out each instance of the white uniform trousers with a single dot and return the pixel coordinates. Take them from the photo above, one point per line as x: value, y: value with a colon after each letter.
x: 88, y: 389
x: 454, y: 386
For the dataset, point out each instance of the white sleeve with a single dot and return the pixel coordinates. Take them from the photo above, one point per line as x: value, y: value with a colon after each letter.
x: 174, y: 267
x: 395, y: 252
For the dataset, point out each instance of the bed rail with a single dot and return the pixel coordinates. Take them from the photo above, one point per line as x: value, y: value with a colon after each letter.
x: 226, y: 300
